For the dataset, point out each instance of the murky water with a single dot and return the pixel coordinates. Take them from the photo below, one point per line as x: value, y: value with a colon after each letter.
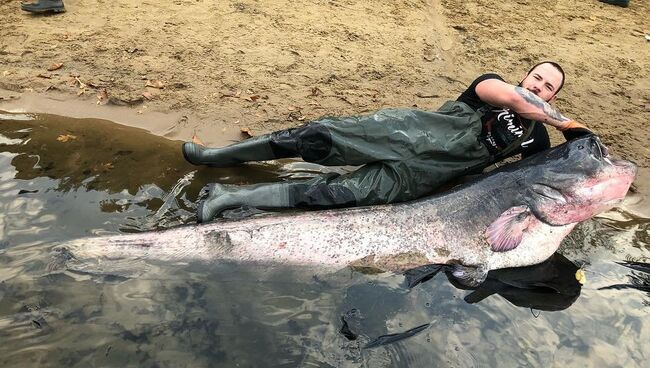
x: 63, y: 178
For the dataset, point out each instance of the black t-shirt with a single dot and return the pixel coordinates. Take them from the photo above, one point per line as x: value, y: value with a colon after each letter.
x: 501, y: 127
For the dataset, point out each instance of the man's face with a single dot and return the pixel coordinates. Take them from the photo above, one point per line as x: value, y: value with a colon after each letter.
x: 543, y: 81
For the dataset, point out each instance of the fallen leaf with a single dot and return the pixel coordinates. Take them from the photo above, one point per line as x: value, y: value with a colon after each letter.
x: 246, y: 132
x: 43, y: 75
x: 197, y: 140
x: 580, y: 276
x: 155, y: 84
x: 55, y: 66
x: 252, y: 98
x: 315, y: 91
x: 65, y: 138
x: 147, y: 95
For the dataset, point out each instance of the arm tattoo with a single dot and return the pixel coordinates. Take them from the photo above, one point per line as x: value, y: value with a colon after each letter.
x: 532, y: 99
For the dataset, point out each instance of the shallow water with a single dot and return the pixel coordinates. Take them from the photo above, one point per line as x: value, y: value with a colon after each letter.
x: 64, y: 178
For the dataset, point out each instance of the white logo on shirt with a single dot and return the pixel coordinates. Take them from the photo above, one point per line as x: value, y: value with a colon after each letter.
x: 508, y: 117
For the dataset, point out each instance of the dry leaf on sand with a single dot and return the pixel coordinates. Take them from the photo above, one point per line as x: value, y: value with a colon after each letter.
x: 197, y: 140
x: 246, y: 132
x: 66, y: 137
x: 55, y: 66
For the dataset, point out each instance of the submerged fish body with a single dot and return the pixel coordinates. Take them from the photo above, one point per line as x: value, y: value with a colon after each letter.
x: 511, y: 217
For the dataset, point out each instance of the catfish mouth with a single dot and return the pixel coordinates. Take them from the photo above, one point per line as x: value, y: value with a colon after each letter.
x: 622, y: 167
x: 625, y: 168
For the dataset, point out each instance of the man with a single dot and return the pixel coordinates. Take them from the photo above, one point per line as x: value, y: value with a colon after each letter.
x: 405, y: 153
x: 44, y: 6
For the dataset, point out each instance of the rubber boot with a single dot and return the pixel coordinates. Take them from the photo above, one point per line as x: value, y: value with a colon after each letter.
x: 44, y: 6
x: 222, y: 197
x: 621, y: 3
x: 252, y: 149
x: 316, y: 193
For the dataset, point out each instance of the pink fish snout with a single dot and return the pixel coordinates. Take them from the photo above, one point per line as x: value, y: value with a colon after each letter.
x: 607, y: 188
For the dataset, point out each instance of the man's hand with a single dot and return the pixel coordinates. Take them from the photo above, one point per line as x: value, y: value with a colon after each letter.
x: 571, y: 124
x: 572, y: 130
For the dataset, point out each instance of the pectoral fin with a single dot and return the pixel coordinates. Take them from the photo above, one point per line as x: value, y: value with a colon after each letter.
x: 471, y: 276
x: 421, y: 274
x: 506, y: 232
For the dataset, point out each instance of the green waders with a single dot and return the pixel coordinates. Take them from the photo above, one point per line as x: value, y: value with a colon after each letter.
x: 405, y: 153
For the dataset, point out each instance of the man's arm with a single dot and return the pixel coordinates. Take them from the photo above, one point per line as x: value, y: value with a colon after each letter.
x: 498, y: 93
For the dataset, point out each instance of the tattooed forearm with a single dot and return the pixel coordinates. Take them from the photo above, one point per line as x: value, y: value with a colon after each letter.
x: 548, y: 110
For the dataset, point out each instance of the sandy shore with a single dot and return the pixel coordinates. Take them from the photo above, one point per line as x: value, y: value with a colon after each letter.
x: 212, y: 68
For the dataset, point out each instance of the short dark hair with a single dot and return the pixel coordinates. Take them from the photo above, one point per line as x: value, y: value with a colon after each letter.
x: 556, y: 66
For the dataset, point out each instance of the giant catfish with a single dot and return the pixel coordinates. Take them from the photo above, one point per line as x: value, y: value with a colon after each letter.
x: 513, y: 216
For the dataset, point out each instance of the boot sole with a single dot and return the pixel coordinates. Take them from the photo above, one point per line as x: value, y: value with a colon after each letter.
x: 41, y: 11
x: 199, y: 208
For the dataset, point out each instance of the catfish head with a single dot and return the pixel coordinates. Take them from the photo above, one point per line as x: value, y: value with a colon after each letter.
x: 575, y: 181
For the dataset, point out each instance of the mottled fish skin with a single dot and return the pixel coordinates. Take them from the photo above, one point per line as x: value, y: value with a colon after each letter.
x: 447, y: 228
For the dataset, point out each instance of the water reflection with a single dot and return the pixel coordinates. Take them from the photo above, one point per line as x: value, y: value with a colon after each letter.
x: 135, y: 171
x: 101, y: 155
x: 549, y: 286
x: 638, y: 279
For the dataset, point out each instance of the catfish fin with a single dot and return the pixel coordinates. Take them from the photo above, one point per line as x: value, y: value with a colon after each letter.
x: 637, y: 266
x: 392, y: 338
x: 421, y: 274
x: 469, y: 275
x: 478, y: 295
x: 506, y: 232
